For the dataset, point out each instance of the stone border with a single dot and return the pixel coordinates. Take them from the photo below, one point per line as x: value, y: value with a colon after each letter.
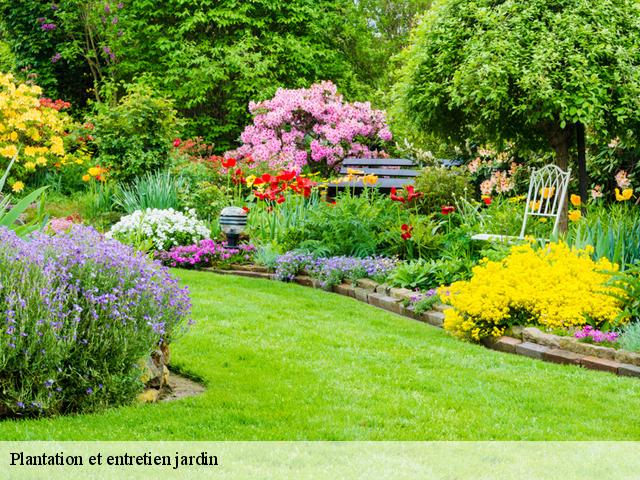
x: 529, y: 342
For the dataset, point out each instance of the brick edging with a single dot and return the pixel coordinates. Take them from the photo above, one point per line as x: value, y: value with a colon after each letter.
x: 392, y: 300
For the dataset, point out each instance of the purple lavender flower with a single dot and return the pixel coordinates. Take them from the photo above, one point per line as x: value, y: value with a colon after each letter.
x: 56, y: 58
x: 590, y: 334
x: 77, y: 287
x: 47, y: 27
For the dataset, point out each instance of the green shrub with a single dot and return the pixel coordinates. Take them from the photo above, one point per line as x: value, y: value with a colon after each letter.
x: 135, y: 135
x: 81, y: 313
x: 152, y: 190
x: 427, y: 275
x: 614, y: 233
x: 442, y: 186
x: 358, y: 226
x: 630, y: 337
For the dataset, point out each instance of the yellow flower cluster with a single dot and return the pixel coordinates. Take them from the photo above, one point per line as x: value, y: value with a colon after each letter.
x: 30, y: 132
x: 355, y: 175
x: 551, y: 286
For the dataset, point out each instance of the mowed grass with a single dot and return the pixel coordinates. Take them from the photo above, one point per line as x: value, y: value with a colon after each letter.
x: 284, y: 362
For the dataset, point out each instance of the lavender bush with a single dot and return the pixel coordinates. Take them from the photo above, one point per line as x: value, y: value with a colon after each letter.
x: 204, y: 254
x: 79, y: 313
x: 333, y: 270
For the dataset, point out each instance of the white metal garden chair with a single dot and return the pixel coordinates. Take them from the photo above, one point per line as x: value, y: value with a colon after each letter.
x: 547, y: 194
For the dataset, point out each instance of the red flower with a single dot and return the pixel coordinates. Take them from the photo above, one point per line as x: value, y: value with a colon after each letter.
x: 266, y: 178
x: 280, y: 199
x: 487, y: 200
x: 286, y: 176
x: 248, y: 160
x: 238, y: 176
x: 177, y: 142
x: 447, y: 209
x: 412, y: 194
x: 395, y: 197
x: 406, y: 231
x: 246, y: 209
x: 229, y: 163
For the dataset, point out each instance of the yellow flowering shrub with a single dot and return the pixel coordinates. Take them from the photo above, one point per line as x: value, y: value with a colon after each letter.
x: 551, y: 286
x: 33, y: 130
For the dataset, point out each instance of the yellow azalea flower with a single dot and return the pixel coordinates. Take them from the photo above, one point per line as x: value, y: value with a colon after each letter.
x: 534, y: 206
x: 17, y: 186
x: 94, y: 171
x: 249, y: 180
x: 13, y: 136
x: 543, y: 219
x: 57, y: 146
x: 353, y: 171
x: 41, y: 161
x: 575, y: 215
x: 29, y: 166
x: 9, y: 151
x: 575, y: 200
x: 86, y: 178
x: 548, y: 192
x: 517, y: 199
x: 370, y: 179
x: 626, y: 194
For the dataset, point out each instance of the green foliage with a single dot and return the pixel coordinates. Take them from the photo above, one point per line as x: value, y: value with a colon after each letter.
x: 358, y: 226
x: 11, y: 213
x: 630, y: 337
x: 97, y: 204
x: 207, y: 199
x: 425, y: 275
x: 134, y: 136
x: 211, y: 57
x: 413, y: 274
x: 442, y: 186
x: 426, y: 303
x: 152, y: 190
x: 614, y: 233
x: 281, y: 224
x: 524, y: 71
x: 266, y: 255
x: 7, y: 59
x: 629, y: 282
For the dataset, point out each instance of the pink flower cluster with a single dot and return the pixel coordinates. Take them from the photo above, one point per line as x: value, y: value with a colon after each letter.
x: 596, y: 336
x: 62, y: 224
x: 313, y: 125
x: 204, y: 254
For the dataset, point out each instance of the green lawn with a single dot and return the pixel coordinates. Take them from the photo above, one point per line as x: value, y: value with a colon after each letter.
x: 284, y: 362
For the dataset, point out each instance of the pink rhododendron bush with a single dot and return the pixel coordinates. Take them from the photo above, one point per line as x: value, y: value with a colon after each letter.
x: 312, y: 126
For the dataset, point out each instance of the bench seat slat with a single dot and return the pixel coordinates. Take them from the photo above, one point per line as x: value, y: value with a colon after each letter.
x: 384, y: 172
x: 377, y: 162
x: 381, y: 183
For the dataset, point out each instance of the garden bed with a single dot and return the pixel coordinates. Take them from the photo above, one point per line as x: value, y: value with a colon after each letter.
x: 529, y: 342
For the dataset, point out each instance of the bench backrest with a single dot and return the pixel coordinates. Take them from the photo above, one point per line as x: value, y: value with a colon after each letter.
x: 391, y: 172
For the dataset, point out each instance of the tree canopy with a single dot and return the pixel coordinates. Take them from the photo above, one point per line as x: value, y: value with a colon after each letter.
x: 210, y: 57
x: 530, y: 72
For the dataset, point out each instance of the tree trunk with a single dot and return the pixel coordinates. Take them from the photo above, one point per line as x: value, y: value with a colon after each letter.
x: 561, y: 142
x: 582, y: 165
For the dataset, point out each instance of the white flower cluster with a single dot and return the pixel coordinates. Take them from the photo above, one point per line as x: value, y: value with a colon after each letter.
x: 164, y: 229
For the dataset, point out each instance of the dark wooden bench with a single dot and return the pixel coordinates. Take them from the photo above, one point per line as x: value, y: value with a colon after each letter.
x: 391, y: 172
